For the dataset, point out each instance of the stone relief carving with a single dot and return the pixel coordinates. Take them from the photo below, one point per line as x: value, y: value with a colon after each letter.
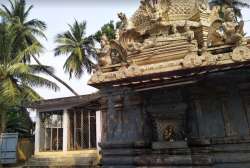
x: 227, y: 30
x: 170, y: 134
x: 241, y: 53
x: 125, y: 22
x: 131, y: 71
x: 150, y: 24
x: 118, y: 54
x: 152, y: 20
x: 203, y: 6
x: 209, y: 59
x: 104, y: 58
x: 163, y: 28
x: 192, y: 60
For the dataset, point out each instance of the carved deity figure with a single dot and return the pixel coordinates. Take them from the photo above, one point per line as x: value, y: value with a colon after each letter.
x: 189, y: 33
x: 227, y: 31
x: 124, y: 20
x: 233, y: 30
x: 104, y: 53
x: 203, y: 6
x: 169, y: 134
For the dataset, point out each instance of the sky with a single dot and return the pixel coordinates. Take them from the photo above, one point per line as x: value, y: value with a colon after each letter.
x: 59, y: 13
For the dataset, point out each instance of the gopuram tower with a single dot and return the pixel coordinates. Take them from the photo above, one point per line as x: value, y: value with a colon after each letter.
x: 176, y: 88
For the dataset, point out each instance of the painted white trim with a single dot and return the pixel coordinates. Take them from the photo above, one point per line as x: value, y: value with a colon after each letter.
x: 65, y: 129
x: 98, y: 129
x: 37, y: 133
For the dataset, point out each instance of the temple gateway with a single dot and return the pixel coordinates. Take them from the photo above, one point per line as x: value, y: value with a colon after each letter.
x: 175, y: 86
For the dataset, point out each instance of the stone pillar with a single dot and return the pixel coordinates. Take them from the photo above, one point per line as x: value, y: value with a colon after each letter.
x: 37, y: 133
x: 65, y: 130
x: 104, y: 108
x: 125, y: 128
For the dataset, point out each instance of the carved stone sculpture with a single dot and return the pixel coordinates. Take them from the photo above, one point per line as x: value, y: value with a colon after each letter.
x: 169, y: 134
x: 203, y: 6
x: 241, y: 53
x: 233, y: 30
x: 192, y: 60
x: 125, y: 24
x: 118, y: 54
x: 155, y: 19
x: 104, y: 53
x: 189, y: 33
x: 227, y: 31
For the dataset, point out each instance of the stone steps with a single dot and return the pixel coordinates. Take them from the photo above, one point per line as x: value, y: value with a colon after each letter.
x: 66, y: 160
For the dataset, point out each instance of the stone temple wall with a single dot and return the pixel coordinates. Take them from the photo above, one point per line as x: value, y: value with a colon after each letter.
x: 205, y: 124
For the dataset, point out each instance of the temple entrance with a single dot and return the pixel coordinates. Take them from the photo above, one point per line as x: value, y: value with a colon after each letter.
x: 82, y: 129
x: 52, y: 126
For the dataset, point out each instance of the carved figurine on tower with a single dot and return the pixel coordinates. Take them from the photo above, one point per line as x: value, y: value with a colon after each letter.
x: 225, y: 30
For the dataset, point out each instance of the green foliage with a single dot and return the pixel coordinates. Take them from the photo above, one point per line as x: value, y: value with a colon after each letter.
x: 237, y: 5
x: 109, y: 29
x: 18, y: 120
x: 26, y: 29
x: 79, y: 48
x: 18, y: 44
x: 18, y: 78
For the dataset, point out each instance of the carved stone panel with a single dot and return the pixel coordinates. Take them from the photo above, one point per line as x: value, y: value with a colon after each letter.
x: 168, y: 117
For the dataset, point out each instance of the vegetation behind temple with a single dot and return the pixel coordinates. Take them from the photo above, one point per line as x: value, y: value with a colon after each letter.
x: 18, y: 77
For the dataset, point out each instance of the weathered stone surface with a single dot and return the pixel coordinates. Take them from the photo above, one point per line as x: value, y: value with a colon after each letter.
x: 169, y: 145
x: 212, y: 114
x: 180, y: 86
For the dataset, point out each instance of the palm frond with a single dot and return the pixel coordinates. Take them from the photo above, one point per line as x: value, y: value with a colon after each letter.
x: 37, y: 69
x: 33, y: 49
x: 35, y: 23
x: 5, y: 11
x: 63, y: 50
x: 18, y: 68
x: 26, y: 13
x: 37, y: 81
x: 29, y: 94
x: 9, y: 89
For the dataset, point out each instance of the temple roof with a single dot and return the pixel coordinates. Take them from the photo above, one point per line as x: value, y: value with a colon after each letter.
x: 65, y: 102
x: 152, y: 43
x: 176, y: 78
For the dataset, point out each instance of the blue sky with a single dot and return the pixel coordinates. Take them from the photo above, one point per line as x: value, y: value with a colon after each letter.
x: 58, y: 13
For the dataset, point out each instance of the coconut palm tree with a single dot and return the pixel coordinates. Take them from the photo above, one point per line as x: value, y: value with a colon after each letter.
x: 16, y: 77
x: 79, y: 48
x: 28, y: 30
x: 235, y: 4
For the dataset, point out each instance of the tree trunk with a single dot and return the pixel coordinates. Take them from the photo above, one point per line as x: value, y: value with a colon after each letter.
x: 0, y: 122
x: 3, y: 121
x: 55, y: 77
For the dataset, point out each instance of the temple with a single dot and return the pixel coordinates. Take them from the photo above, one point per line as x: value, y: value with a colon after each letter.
x: 175, y: 88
